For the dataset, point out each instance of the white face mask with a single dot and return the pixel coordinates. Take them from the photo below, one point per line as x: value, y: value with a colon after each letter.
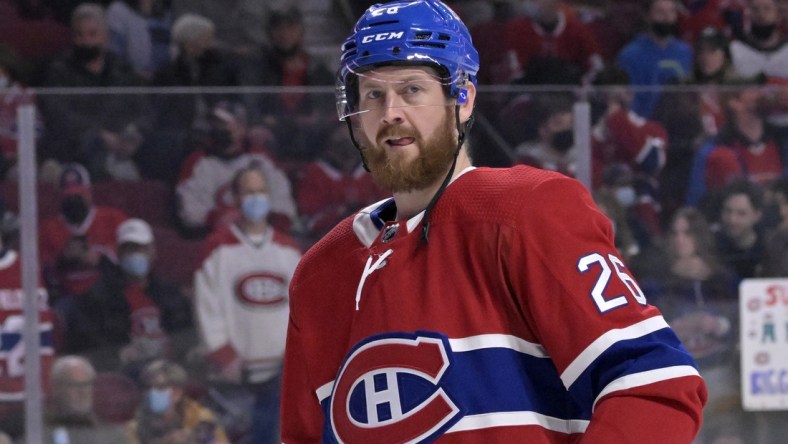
x: 626, y: 196
x: 255, y: 207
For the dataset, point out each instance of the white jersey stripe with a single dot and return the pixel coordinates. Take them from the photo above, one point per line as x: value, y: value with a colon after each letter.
x: 497, y: 341
x: 645, y: 378
x: 501, y: 419
x: 602, y: 343
x: 324, y: 391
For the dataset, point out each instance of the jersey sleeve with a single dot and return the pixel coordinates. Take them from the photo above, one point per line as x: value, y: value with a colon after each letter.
x: 210, y: 312
x: 301, y: 416
x: 615, y: 353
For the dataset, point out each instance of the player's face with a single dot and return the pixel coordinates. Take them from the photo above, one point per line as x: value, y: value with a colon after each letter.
x: 739, y: 216
x: 407, y: 131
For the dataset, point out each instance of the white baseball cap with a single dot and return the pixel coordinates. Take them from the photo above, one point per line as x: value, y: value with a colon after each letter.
x: 135, y: 230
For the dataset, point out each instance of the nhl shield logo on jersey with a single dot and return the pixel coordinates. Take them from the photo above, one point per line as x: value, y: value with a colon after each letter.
x: 389, y: 389
x: 261, y: 289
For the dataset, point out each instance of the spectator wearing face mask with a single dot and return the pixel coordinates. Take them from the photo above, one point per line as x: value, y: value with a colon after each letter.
x: 102, y: 131
x: 764, y: 48
x: 553, y: 149
x: 168, y: 415
x: 656, y: 57
x: 241, y: 296
x: 73, y: 241
x: 131, y: 308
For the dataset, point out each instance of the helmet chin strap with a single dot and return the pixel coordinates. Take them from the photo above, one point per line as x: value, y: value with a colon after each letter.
x: 425, y: 226
x: 355, y: 143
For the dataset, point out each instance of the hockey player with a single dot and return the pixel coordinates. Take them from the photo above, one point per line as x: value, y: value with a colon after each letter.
x: 478, y: 304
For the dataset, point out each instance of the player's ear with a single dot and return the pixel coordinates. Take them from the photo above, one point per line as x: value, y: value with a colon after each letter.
x: 466, y: 99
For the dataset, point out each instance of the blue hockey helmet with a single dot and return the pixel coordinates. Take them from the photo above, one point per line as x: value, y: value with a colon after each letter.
x: 421, y: 32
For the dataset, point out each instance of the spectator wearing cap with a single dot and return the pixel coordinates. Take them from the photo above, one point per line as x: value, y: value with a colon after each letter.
x: 712, y: 66
x: 205, y: 199
x: 73, y: 242
x: 94, y: 129
x: 131, y: 316
x: 285, y: 62
x: 712, y: 58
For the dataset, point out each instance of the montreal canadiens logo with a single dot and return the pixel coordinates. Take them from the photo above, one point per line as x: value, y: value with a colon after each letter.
x: 261, y: 289
x: 389, y: 390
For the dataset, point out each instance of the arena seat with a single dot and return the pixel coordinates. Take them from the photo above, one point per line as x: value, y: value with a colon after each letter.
x: 150, y: 200
x: 176, y: 258
x: 115, y: 397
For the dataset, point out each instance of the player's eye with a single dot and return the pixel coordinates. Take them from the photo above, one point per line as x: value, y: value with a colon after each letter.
x: 373, y: 94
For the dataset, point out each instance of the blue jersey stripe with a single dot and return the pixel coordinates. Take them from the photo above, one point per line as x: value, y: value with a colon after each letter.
x: 654, y: 351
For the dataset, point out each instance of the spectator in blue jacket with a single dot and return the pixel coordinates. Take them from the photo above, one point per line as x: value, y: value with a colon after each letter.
x: 656, y: 57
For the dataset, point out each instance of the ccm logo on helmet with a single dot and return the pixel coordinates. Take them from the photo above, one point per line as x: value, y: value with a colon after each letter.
x: 261, y: 289
x: 389, y: 390
x: 382, y: 37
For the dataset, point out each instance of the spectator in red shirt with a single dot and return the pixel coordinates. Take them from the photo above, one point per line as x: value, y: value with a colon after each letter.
x: 334, y: 186
x: 72, y: 242
x: 551, y: 47
x: 285, y: 62
x: 748, y: 146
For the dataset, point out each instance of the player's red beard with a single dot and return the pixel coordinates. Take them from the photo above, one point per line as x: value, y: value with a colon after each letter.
x: 398, y: 174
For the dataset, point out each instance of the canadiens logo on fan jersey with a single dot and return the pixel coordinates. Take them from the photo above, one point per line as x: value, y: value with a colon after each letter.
x: 389, y: 390
x: 261, y: 289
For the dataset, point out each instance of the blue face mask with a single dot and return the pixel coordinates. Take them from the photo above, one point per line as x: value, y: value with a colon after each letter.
x: 159, y: 400
x: 135, y: 264
x: 255, y: 207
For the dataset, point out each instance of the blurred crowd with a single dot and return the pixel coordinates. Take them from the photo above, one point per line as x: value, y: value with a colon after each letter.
x: 188, y: 153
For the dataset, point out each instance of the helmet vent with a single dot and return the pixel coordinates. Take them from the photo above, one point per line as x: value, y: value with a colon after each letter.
x: 430, y: 45
x: 381, y: 23
x: 444, y: 37
x: 423, y: 35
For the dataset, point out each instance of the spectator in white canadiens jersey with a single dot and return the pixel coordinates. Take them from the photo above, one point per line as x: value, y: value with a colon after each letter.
x: 241, y: 295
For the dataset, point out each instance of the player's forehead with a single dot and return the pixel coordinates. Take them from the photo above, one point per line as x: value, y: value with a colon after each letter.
x: 389, y: 75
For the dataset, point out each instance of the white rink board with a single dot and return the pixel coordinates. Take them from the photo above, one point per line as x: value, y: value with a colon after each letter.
x: 763, y: 308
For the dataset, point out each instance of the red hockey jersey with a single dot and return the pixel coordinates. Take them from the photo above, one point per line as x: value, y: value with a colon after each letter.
x: 516, y: 322
x: 12, y: 322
